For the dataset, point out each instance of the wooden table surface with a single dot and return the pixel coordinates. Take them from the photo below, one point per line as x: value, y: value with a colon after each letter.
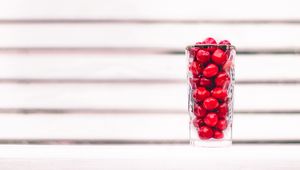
x: 152, y: 157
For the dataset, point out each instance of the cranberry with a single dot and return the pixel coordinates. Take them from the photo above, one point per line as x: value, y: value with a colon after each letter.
x: 205, y: 132
x: 211, y: 119
x: 193, y: 51
x: 227, y: 66
x: 223, y: 110
x: 210, y: 103
x: 219, y: 57
x: 224, y: 42
x: 219, y: 93
x: 222, y: 79
x: 222, y: 124
x: 218, y: 134
x: 205, y: 82
x: 199, y: 111
x: 210, y: 40
x: 195, y: 68
x: 210, y: 70
x: 200, y: 94
x: 194, y: 82
x: 197, y: 122
x: 203, y: 56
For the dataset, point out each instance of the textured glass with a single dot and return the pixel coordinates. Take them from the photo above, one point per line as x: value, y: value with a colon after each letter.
x: 193, y: 83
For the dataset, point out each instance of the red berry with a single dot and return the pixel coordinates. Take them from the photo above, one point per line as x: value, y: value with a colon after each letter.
x: 227, y: 66
x: 194, y: 82
x: 222, y: 79
x: 205, y: 82
x: 210, y: 70
x: 199, y: 111
x: 210, y: 40
x: 219, y: 93
x: 193, y: 51
x: 219, y: 57
x: 210, y: 103
x: 197, y: 122
x: 222, y: 124
x: 203, y: 56
x: 205, y: 132
x: 223, y: 110
x: 195, y: 68
x: 200, y: 94
x: 224, y: 42
x: 211, y: 119
x: 218, y: 134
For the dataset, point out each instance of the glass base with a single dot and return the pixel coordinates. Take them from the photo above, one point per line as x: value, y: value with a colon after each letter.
x: 211, y: 143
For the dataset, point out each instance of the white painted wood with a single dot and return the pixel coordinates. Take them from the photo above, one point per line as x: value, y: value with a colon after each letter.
x: 139, y: 96
x: 140, y: 126
x: 149, y: 157
x: 168, y: 36
x: 155, y: 9
x: 101, y: 66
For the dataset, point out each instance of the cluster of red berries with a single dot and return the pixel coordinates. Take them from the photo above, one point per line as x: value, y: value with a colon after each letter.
x: 209, y: 69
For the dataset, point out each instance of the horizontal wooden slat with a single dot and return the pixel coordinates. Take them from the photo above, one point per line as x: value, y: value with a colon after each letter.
x: 135, y: 9
x: 136, y: 157
x: 85, y: 67
x: 166, y: 36
x: 140, y: 126
x: 139, y: 96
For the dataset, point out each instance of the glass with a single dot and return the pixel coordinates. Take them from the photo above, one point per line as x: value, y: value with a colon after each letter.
x: 210, y: 78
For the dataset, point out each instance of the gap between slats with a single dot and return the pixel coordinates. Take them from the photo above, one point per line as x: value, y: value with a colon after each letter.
x: 136, y: 50
x: 131, y: 142
x: 127, y: 111
x: 147, y: 21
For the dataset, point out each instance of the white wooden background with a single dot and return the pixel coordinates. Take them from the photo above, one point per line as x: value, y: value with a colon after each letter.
x: 113, y: 72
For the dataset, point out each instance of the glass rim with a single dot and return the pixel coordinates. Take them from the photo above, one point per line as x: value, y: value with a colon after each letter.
x: 215, y: 45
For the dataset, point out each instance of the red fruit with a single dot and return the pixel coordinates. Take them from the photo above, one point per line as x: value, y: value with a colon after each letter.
x: 193, y: 51
x: 219, y: 57
x: 222, y: 124
x: 222, y: 79
x: 224, y: 42
x: 219, y: 93
x: 210, y: 40
x: 205, y: 82
x: 195, y: 68
x: 203, y: 56
x: 194, y: 82
x: 218, y: 134
x: 205, y: 132
x: 210, y: 103
x: 210, y: 70
x: 227, y: 66
x: 223, y: 110
x: 199, y: 111
x: 200, y: 94
x: 197, y: 122
x: 211, y: 119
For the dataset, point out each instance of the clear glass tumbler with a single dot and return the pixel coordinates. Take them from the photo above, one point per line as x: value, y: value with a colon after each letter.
x: 210, y: 93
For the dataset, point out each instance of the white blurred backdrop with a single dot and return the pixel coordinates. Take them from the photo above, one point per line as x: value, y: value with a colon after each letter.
x: 77, y: 71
